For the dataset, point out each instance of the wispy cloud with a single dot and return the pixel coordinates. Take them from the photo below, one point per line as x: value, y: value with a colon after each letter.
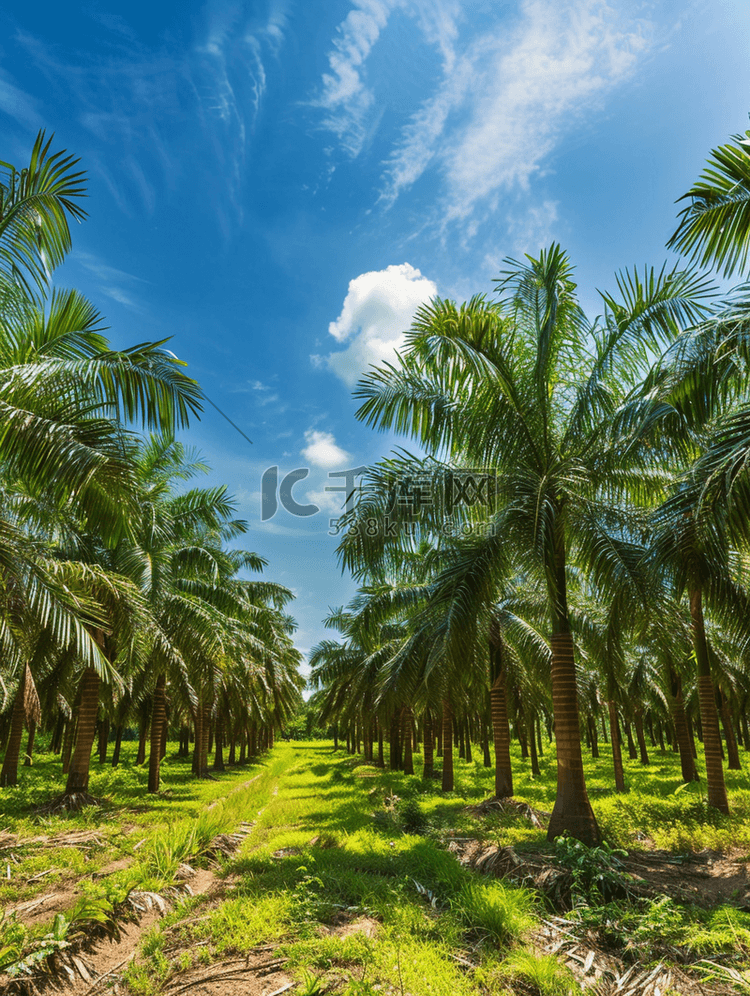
x: 345, y: 97
x: 115, y: 284
x: 143, y: 100
x: 511, y: 84
x: 561, y: 59
x: 19, y: 105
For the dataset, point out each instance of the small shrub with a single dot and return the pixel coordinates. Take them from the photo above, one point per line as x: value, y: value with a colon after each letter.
x: 411, y: 816
x: 595, y: 871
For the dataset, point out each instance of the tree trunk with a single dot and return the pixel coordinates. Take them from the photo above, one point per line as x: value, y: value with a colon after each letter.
x: 500, y: 725
x: 56, y: 745
x: 103, y: 740
x: 142, y: 734
x: 78, y: 775
x: 638, y: 720
x: 407, y: 742
x: 219, y: 752
x: 158, y: 719
x: 68, y: 741
x: 118, y: 745
x: 532, y: 742
x: 468, y: 756
x: 394, y: 758
x: 381, y: 753
x: 614, y: 730
x: 716, y: 788
x: 594, y: 737
x: 429, y: 755
x: 733, y: 753
x: 572, y: 810
x: 632, y: 752
x: 486, y: 756
x: 30, y: 745
x: 9, y: 773
x: 447, y: 784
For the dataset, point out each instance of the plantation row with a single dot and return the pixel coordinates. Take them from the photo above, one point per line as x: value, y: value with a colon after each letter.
x: 567, y: 553
x: 123, y: 601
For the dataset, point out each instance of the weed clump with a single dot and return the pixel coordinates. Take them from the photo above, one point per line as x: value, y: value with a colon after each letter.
x: 412, y: 817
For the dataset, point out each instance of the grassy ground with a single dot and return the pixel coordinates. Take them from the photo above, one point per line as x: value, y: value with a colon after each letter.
x: 346, y: 872
x: 93, y: 859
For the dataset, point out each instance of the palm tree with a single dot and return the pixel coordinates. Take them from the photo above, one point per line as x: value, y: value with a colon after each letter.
x: 528, y: 387
x: 714, y: 226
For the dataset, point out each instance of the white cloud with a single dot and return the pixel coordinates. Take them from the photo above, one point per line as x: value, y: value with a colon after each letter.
x: 345, y: 96
x: 517, y: 88
x: 377, y: 310
x: 323, y: 451
x: 19, y: 105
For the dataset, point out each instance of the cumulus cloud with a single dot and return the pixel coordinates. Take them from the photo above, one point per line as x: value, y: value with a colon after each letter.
x: 377, y: 309
x: 322, y: 450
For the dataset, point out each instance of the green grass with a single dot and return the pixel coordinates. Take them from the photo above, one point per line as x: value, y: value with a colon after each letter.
x: 336, y: 841
x: 317, y: 858
x: 149, y: 835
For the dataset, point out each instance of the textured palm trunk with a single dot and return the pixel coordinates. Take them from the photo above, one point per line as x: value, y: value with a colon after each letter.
x: 439, y: 740
x: 406, y: 735
x: 219, y: 745
x: 593, y: 737
x: 682, y: 728
x: 572, y: 810
x: 80, y: 763
x: 500, y: 727
x: 202, y: 741
x: 632, y: 752
x: 56, y: 745
x: 335, y: 736
x: 158, y: 719
x: 461, y: 740
x: 638, y: 721
x: 733, y: 754
x: 715, y: 786
x: 9, y: 773
x: 232, y: 756
x: 103, y: 740
x: 447, y: 784
x: 486, y: 756
x: 429, y: 749
x: 745, y: 730
x: 118, y: 745
x: 614, y: 731
x: 381, y: 751
x: 142, y: 735
x: 532, y: 743
x: 467, y: 735
x: 27, y: 761
x: 68, y: 741
x: 394, y: 757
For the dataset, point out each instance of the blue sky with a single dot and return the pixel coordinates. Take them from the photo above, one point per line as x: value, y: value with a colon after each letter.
x: 277, y: 185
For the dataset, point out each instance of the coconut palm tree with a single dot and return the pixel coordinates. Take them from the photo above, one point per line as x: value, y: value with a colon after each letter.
x: 528, y: 387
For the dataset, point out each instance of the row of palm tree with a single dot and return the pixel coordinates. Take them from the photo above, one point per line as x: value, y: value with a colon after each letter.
x: 603, y: 572
x: 123, y: 597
